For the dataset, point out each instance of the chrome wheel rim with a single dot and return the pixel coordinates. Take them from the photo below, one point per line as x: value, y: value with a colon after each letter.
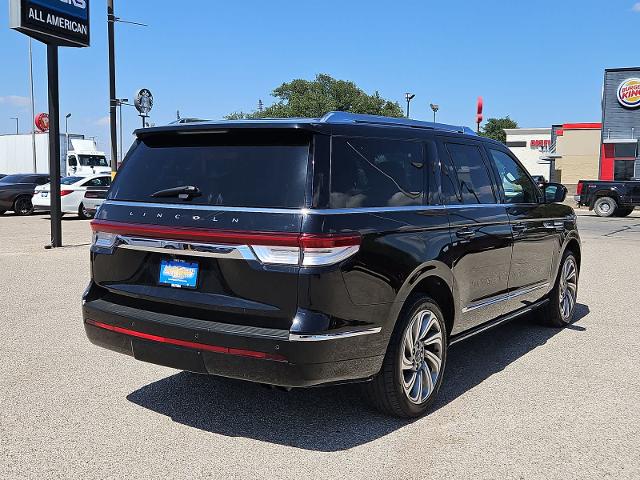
x: 421, y: 358
x: 568, y: 288
x: 605, y: 207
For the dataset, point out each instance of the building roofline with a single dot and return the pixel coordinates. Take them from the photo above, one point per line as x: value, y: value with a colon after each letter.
x: 621, y: 69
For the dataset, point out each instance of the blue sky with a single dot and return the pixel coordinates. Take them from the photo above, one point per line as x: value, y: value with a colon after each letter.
x: 539, y: 62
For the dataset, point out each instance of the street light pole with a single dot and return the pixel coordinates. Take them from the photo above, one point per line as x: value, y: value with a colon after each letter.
x: 111, y: 19
x: 435, y: 108
x: 33, y: 110
x: 17, y: 124
x: 66, y: 128
x: 409, y: 96
x: 120, y: 102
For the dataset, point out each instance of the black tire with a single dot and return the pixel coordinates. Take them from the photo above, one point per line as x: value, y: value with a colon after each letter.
x: 605, y: 206
x: 83, y: 213
x: 555, y: 313
x: 23, y: 206
x: 623, y: 212
x: 386, y: 391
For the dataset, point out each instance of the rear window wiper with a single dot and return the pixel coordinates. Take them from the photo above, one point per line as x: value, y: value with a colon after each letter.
x: 183, y: 192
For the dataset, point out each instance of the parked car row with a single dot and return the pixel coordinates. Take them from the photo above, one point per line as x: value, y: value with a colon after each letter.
x: 25, y: 193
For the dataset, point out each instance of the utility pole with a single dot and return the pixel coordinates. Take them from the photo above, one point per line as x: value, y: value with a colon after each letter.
x: 111, y: 19
x: 33, y: 110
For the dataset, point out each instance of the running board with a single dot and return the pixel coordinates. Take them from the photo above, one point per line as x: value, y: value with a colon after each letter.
x: 498, y: 321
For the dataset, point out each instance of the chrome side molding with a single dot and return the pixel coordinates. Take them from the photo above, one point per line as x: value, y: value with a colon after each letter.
x: 504, y: 297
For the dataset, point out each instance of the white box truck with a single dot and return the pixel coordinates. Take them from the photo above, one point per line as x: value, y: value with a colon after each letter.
x: 82, y: 157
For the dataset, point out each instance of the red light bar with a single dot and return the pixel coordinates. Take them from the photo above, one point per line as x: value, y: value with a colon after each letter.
x: 227, y: 236
x: 183, y: 343
x: 196, y: 234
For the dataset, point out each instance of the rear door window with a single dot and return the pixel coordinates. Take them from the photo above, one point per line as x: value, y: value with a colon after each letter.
x: 238, y: 168
x: 370, y: 172
x: 471, y: 173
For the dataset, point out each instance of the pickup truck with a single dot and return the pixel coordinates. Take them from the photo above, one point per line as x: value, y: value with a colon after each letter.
x: 93, y: 198
x: 609, y: 198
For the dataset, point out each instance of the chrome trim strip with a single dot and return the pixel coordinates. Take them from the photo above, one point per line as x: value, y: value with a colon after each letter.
x: 173, y: 247
x: 503, y: 297
x: 297, y: 337
x: 305, y: 211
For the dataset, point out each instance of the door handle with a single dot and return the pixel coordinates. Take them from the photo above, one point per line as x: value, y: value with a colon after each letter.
x: 519, y: 228
x: 465, y: 232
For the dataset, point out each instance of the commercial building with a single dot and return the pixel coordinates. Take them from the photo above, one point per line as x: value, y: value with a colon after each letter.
x: 620, y: 124
x: 529, y: 145
x: 606, y: 150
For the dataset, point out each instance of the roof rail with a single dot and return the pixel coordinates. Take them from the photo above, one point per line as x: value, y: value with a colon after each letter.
x: 347, y: 117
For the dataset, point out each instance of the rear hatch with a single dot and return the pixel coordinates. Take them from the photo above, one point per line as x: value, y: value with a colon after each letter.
x: 204, y: 225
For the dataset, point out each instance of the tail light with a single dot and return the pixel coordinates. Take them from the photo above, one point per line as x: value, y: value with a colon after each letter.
x: 271, y: 248
x: 65, y: 192
x: 579, y: 188
x: 310, y: 250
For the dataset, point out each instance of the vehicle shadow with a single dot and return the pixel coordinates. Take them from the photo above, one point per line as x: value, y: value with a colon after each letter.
x: 330, y: 418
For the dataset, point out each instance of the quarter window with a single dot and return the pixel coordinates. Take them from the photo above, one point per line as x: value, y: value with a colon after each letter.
x: 472, y: 174
x: 376, y: 173
x: 518, y: 187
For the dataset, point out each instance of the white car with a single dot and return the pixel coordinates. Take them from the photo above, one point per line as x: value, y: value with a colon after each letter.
x: 71, y: 194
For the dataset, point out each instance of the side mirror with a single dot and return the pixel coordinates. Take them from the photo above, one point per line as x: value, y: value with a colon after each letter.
x: 554, y: 193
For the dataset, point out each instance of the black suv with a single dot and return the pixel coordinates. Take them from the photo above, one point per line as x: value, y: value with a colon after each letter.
x: 302, y: 252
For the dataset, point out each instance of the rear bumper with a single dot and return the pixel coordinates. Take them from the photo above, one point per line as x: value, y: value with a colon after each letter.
x: 248, y: 353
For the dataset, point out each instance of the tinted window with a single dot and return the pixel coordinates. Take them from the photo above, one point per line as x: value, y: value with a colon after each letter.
x: 376, y: 173
x: 93, y: 161
x: 472, y: 174
x: 14, y: 179
x: 623, y: 169
x: 516, y: 184
x: 625, y: 150
x: 40, y: 180
x: 240, y: 168
x: 70, y: 180
x: 98, y: 182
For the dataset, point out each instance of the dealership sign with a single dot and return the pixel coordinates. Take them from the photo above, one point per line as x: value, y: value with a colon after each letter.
x: 629, y: 93
x: 56, y: 22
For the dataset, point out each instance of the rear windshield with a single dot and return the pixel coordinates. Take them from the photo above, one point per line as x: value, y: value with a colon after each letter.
x: 70, y: 180
x: 244, y: 168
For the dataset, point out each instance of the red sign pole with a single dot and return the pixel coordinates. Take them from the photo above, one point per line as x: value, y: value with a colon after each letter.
x: 479, y: 113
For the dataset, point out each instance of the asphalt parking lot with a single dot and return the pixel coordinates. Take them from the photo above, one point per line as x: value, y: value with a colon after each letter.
x: 519, y: 402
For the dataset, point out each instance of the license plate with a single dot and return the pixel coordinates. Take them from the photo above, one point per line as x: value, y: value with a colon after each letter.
x: 178, y: 273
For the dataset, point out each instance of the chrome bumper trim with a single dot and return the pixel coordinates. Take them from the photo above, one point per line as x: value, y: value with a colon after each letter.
x: 296, y: 337
x: 191, y: 249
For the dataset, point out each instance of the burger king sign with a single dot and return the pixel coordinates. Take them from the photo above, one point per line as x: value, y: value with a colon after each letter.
x: 629, y: 93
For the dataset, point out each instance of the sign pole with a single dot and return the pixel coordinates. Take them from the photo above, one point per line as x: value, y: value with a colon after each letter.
x: 54, y: 145
x: 111, y: 20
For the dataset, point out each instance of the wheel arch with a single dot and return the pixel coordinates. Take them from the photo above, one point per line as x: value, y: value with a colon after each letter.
x: 434, y: 280
x: 573, y: 245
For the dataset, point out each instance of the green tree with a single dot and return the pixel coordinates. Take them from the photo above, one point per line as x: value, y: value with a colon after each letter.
x: 304, y: 98
x: 494, y: 128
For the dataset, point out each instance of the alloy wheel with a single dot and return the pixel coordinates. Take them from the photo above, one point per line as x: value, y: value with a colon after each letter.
x: 421, y: 359
x: 23, y: 206
x: 568, y: 288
